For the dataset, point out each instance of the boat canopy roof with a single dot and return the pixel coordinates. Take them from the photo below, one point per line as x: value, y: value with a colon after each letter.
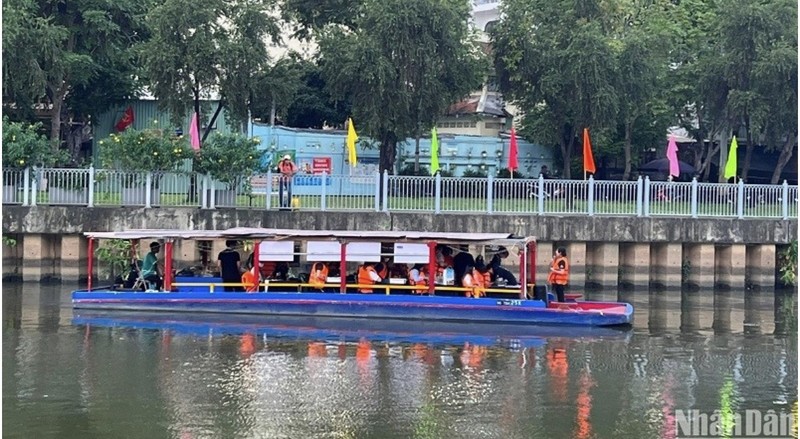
x: 329, y: 235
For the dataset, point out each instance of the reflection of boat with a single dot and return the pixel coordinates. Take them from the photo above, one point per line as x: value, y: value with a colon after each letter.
x: 438, y: 302
x: 347, y: 330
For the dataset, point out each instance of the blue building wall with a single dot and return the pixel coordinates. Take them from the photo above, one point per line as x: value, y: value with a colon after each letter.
x: 457, y: 152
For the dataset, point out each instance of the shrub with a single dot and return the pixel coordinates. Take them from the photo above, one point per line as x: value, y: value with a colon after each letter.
x: 230, y: 158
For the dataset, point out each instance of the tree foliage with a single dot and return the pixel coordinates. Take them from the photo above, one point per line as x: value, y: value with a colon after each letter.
x: 401, y: 66
x: 73, y: 58
x: 203, y: 50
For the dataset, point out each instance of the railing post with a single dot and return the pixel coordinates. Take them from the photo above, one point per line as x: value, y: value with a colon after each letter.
x: 204, y: 190
x: 639, y: 195
x: 540, y: 195
x: 91, y: 186
x: 590, y: 196
x: 490, y: 194
x: 437, y: 201
x: 324, y: 190
x: 26, y: 186
x: 268, y: 190
x: 694, y: 206
x: 785, y: 199
x: 646, y: 195
x: 212, y: 199
x: 386, y: 191
x: 34, y: 188
x: 148, y: 184
x: 740, y: 200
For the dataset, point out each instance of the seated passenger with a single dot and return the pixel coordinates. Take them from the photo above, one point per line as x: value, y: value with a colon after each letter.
x: 474, y: 280
x: 250, y: 280
x: 367, y: 276
x: 281, y: 272
x: 319, y: 275
x: 418, y: 276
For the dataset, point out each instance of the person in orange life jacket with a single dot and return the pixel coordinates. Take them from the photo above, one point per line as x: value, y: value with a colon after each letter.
x: 287, y: 169
x: 382, y: 268
x: 418, y: 276
x: 318, y: 275
x: 251, y: 278
x: 474, y: 280
x: 367, y: 276
x: 559, y: 272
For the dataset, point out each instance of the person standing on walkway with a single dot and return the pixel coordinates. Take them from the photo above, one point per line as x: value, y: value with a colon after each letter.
x: 287, y: 169
x: 559, y: 273
x: 230, y: 266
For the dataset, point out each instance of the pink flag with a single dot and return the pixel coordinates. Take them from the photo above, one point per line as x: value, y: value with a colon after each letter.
x: 513, y: 164
x: 194, y: 132
x: 672, y: 156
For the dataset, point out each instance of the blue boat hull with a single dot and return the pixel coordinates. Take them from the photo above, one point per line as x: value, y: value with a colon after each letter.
x: 344, y: 329
x: 408, y: 307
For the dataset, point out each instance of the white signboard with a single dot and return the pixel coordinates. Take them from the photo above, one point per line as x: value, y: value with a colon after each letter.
x: 328, y: 251
x: 276, y: 251
x: 410, y: 253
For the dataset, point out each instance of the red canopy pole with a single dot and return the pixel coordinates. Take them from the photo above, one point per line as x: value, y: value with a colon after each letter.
x: 532, y: 262
x: 431, y: 267
x: 256, y: 261
x: 523, y: 275
x: 343, y: 268
x: 91, y: 263
x: 168, y: 266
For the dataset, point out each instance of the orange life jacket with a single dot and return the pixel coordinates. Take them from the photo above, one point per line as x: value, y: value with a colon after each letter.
x: 422, y: 283
x: 384, y: 272
x: 476, y: 282
x: 287, y: 168
x: 319, y: 275
x: 250, y: 282
x: 487, y: 279
x: 560, y: 277
x: 364, y: 278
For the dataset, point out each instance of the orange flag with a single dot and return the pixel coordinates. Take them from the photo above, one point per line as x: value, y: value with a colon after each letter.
x: 588, y: 158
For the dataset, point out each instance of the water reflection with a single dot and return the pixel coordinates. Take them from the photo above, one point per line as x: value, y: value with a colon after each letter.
x: 173, y: 376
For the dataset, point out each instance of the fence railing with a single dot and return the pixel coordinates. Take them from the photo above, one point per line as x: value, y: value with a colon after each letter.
x: 383, y: 192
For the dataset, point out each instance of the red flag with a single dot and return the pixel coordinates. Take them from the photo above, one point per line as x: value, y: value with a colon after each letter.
x: 513, y: 164
x: 126, y: 120
x: 588, y: 158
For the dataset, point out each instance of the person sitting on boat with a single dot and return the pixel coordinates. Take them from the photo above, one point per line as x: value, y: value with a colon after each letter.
x: 559, y: 273
x: 418, y: 276
x: 151, y: 270
x: 251, y: 279
x: 230, y: 266
x: 367, y: 276
x: 319, y: 275
x: 473, y: 279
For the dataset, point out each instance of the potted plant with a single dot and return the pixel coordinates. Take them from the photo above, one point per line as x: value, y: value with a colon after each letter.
x: 230, y: 159
x: 139, y: 152
x: 23, y: 146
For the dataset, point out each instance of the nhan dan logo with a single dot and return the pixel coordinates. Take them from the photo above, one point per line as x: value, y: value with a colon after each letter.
x: 750, y: 424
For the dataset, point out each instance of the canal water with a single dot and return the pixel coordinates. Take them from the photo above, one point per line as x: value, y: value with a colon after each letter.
x: 85, y: 375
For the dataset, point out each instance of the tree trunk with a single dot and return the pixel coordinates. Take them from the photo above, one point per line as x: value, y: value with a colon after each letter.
x: 627, y: 148
x: 55, y: 119
x: 783, y: 159
x: 213, y: 120
x: 416, y: 155
x: 748, y: 150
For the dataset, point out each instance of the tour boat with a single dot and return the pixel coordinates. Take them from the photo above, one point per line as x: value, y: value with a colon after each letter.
x: 392, y: 300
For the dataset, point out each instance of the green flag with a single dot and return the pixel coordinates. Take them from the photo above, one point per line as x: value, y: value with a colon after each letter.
x: 434, y: 152
x: 730, y: 166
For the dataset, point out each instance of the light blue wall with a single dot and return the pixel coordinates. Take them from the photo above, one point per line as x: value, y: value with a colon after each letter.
x: 457, y: 152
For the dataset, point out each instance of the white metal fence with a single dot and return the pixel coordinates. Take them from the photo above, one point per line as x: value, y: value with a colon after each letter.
x: 383, y: 192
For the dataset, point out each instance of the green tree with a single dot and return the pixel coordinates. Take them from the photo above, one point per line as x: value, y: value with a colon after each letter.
x: 555, y: 61
x: 401, y: 66
x: 58, y: 54
x: 200, y: 50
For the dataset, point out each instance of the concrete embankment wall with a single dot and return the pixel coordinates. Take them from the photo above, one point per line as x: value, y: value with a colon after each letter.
x: 604, y: 251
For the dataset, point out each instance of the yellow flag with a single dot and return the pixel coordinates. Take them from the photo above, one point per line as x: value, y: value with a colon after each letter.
x: 731, y: 164
x: 351, y: 142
